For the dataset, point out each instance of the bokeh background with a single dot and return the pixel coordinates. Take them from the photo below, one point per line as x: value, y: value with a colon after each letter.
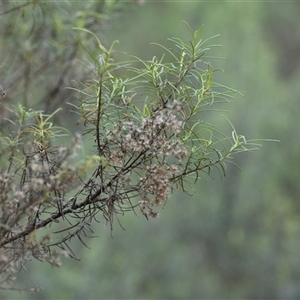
x: 235, y: 238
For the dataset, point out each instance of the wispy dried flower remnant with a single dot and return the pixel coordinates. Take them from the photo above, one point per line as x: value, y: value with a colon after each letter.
x: 147, y: 147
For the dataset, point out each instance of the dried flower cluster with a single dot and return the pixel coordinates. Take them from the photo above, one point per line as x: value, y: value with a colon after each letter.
x: 35, y: 187
x: 148, y: 148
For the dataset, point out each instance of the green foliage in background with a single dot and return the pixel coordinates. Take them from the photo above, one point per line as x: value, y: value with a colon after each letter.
x: 238, y: 238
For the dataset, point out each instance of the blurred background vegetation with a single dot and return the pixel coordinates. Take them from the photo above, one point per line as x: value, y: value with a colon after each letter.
x: 234, y: 238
